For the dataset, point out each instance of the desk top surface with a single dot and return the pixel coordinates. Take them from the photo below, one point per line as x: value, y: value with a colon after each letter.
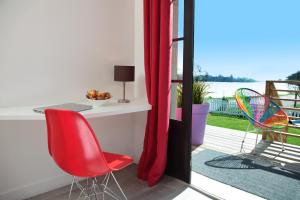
x: 109, y: 109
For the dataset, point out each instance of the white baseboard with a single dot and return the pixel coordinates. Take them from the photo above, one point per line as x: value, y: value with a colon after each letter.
x: 36, y: 188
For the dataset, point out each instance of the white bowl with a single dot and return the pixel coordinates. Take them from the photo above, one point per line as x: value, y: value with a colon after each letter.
x: 97, y: 102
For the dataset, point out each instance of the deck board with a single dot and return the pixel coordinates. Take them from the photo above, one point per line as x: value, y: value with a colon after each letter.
x: 229, y: 141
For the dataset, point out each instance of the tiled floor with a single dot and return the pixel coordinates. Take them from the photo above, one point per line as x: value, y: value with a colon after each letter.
x: 168, y: 188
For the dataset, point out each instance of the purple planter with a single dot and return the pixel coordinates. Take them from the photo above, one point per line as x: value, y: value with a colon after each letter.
x: 200, y: 112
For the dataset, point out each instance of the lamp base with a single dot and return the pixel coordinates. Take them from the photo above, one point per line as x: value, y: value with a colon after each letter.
x: 123, y: 101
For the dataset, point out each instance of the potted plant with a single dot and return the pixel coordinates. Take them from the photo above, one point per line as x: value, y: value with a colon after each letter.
x: 200, y: 110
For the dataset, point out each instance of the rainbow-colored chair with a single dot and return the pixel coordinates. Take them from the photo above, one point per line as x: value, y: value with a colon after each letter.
x: 264, y: 114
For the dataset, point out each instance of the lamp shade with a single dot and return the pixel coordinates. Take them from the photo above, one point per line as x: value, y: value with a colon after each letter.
x: 124, y: 73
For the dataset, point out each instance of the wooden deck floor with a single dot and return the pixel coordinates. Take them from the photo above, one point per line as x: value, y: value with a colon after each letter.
x: 229, y: 141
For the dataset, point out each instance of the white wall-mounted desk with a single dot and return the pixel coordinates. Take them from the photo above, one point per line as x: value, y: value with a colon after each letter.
x: 109, y: 109
x: 24, y: 156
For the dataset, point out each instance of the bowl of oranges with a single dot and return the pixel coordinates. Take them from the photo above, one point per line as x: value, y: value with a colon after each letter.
x: 97, y: 98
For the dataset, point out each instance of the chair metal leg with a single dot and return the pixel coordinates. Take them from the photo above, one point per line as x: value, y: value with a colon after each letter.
x: 242, y: 146
x: 254, y: 150
x: 110, y: 192
x: 118, y: 185
x: 257, y: 132
x: 106, y: 189
x: 91, y: 189
x: 71, y: 187
x: 281, y: 141
x: 94, y: 189
x: 105, y: 185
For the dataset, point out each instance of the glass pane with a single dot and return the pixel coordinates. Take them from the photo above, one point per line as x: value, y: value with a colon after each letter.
x: 178, y: 18
x: 176, y: 71
x: 177, y: 55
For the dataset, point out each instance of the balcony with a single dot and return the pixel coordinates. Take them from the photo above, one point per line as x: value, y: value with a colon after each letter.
x: 257, y: 170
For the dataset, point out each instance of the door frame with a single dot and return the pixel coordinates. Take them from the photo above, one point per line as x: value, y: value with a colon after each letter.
x: 179, y: 146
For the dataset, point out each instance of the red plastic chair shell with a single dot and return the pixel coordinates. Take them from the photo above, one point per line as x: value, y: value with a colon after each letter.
x: 74, y: 147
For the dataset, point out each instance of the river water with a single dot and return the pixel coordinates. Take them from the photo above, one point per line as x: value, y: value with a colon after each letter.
x: 227, y: 89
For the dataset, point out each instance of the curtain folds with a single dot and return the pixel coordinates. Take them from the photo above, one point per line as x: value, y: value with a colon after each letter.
x: 157, y: 55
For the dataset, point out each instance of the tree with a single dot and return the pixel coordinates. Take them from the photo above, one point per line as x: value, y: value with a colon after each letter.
x: 295, y: 77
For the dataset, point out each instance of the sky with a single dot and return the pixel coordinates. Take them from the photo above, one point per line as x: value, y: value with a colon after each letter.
x: 259, y: 39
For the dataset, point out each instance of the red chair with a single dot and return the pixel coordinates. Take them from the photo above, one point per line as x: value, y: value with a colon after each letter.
x: 75, y: 149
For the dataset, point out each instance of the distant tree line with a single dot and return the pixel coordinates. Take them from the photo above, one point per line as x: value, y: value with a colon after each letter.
x: 294, y: 76
x: 220, y: 78
x: 200, y: 75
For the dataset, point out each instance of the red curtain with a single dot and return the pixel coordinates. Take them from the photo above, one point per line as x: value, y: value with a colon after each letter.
x: 157, y: 47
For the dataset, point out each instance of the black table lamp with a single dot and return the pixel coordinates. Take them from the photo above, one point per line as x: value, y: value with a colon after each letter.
x: 124, y: 74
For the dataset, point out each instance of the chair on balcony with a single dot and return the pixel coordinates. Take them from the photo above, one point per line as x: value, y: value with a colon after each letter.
x: 75, y: 149
x: 262, y: 113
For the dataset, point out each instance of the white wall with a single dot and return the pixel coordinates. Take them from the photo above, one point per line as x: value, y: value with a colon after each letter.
x: 55, y: 50
x: 140, y: 89
x: 52, y: 51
